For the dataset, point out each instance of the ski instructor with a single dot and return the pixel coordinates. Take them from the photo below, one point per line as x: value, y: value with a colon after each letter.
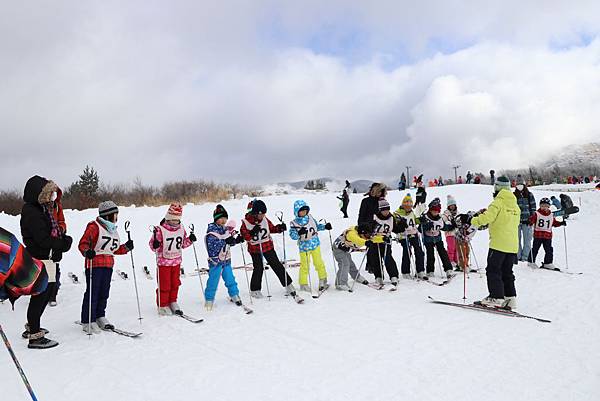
x: 503, y: 217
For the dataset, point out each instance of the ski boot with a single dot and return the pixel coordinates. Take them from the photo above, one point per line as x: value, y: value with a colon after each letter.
x: 361, y: 280
x: 510, y: 303
x: 256, y: 294
x: 449, y: 274
x: 165, y: 311
x: 491, y: 302
x: 394, y: 281
x: 90, y: 328
x: 422, y: 276
x: 342, y: 287
x: 175, y: 308
x: 104, y: 324
x: 38, y: 341
x: 236, y: 300
x: 305, y: 288
x: 323, y: 284
x: 208, y: 305
x: 291, y: 291
x: 26, y: 333
x: 406, y: 277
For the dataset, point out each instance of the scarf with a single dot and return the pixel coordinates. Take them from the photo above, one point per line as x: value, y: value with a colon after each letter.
x: 55, y: 229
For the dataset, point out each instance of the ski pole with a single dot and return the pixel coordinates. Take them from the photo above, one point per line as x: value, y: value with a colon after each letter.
x: 246, y: 272
x: 263, y: 260
x: 475, y: 259
x: 137, y: 296
x: 153, y: 229
x: 279, y: 216
x: 17, y: 364
x: 89, y: 266
x: 464, y: 267
x: 196, y: 258
x: 308, y: 270
x: 566, y: 251
x: 332, y: 257
x: 410, y: 257
x: 359, y: 270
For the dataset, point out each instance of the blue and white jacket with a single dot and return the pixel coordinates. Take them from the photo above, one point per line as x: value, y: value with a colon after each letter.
x: 218, y: 250
x: 310, y: 241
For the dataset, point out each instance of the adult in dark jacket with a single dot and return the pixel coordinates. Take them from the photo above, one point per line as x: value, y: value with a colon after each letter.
x: 345, y: 201
x: 45, y: 241
x: 526, y: 202
x: 370, y: 204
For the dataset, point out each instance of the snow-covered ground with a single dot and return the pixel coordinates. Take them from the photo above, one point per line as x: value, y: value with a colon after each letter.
x: 367, y: 345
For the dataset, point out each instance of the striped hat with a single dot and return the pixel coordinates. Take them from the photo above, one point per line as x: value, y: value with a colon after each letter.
x: 435, y: 205
x: 501, y: 183
x: 407, y: 200
x: 384, y: 204
x: 175, y: 212
x: 107, y: 208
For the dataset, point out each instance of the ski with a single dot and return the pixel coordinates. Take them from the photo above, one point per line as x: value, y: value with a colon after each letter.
x: 556, y: 269
x: 123, y: 275
x: 319, y: 293
x: 497, y: 311
x: 115, y: 330
x: 568, y: 211
x: 376, y: 286
x: 394, y: 288
x: 188, y: 318
x: 244, y: 307
x: 73, y: 278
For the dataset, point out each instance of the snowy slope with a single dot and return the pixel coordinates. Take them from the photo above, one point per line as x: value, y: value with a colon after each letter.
x: 365, y: 345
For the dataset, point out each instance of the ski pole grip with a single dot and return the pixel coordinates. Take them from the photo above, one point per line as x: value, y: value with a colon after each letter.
x: 192, y: 228
x: 127, y: 223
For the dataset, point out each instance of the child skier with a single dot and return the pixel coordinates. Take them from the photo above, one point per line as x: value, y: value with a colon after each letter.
x: 353, y: 239
x: 543, y: 220
x: 431, y: 226
x: 410, y: 238
x: 168, y: 240
x: 449, y: 216
x: 381, y: 254
x: 219, y: 240
x: 305, y: 229
x: 99, y: 243
x: 256, y: 229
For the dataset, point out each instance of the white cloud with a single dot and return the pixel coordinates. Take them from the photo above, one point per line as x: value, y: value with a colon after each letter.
x: 198, y: 90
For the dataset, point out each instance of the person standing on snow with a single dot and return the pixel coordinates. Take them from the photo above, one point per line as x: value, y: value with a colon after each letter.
x: 305, y: 230
x: 45, y: 241
x: 345, y: 199
x: 502, y: 217
x: 526, y: 202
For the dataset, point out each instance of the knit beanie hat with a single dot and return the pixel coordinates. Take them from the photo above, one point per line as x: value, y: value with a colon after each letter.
x: 545, y: 201
x: 383, y: 204
x: 220, y: 212
x: 175, y: 212
x: 502, y: 182
x: 407, y: 200
x: 107, y: 208
x: 435, y: 205
x: 258, y: 206
x: 450, y: 200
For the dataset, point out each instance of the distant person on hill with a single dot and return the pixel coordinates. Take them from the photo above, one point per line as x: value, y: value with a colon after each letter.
x: 469, y: 177
x: 477, y: 180
x: 556, y: 202
x: 492, y: 177
x: 347, y: 185
x: 344, y: 200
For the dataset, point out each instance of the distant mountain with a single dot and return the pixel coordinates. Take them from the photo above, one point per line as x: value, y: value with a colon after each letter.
x: 574, y: 156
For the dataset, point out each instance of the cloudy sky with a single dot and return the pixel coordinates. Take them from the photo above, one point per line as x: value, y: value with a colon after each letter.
x: 265, y: 91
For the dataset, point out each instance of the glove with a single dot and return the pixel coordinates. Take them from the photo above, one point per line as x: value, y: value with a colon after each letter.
x: 192, y: 237
x: 564, y: 223
x: 369, y: 243
x: 282, y: 227
x: 302, y: 231
x: 421, y: 196
x: 230, y: 241
x: 255, y: 230
x: 155, y: 244
x: 90, y: 254
x: 328, y: 226
x: 129, y: 245
x: 67, y: 242
x: 239, y: 239
x: 387, y: 239
x: 463, y: 219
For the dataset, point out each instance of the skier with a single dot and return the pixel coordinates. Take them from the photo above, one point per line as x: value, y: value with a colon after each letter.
x: 543, y: 221
x: 492, y: 177
x: 168, y: 240
x: 44, y: 241
x: 98, y: 244
x: 526, y: 202
x: 305, y: 230
x: 432, y: 224
x: 502, y: 216
x: 256, y: 229
x: 379, y: 254
x: 345, y: 200
x: 449, y: 216
x: 556, y: 202
x: 469, y: 177
x: 353, y: 239
x: 402, y: 183
x: 410, y: 237
x: 219, y: 240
